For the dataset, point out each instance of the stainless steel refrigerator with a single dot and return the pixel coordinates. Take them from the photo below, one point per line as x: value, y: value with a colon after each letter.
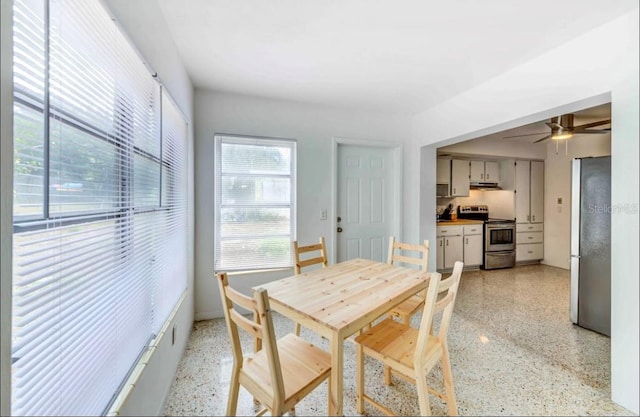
x: 591, y: 244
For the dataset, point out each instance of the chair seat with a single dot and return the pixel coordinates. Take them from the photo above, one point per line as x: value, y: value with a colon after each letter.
x: 408, y: 307
x: 392, y: 341
x: 304, y: 366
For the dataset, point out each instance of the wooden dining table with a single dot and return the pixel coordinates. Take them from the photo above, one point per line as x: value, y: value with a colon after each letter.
x: 341, y: 299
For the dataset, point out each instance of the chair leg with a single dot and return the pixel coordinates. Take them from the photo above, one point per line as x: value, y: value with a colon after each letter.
x: 296, y: 329
x: 423, y: 392
x: 359, y: 379
x: 448, y: 382
x: 234, y: 388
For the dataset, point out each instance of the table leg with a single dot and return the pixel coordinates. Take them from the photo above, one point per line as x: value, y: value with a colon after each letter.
x: 337, y: 376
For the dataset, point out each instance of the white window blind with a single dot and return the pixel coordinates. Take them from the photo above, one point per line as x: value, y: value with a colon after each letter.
x: 255, y: 183
x: 99, y: 208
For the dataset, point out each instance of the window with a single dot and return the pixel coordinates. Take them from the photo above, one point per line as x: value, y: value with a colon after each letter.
x: 254, y: 202
x: 99, y: 208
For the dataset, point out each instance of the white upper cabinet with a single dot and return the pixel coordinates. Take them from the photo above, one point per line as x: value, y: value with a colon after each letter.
x: 484, y: 171
x: 537, y: 192
x: 443, y: 171
x: 476, y: 171
x: 492, y: 171
x: 529, y: 186
x: 459, y: 178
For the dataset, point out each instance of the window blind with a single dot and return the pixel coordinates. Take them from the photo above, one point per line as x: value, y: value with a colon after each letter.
x: 255, y: 183
x: 99, y: 209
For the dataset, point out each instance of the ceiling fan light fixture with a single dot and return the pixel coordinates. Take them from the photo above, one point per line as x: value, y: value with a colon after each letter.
x: 561, y: 134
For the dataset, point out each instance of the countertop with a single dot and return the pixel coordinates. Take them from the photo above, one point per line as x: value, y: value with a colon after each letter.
x: 459, y: 222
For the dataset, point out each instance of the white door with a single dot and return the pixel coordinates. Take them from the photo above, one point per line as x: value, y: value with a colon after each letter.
x: 366, y: 209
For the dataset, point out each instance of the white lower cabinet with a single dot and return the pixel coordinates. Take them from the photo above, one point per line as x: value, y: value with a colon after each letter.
x: 529, y: 242
x: 472, y: 250
x: 450, y: 248
x: 459, y: 243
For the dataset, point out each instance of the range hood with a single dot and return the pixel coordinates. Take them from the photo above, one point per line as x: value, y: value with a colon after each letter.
x: 484, y: 186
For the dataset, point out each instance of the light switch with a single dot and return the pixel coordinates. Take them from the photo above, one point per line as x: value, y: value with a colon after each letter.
x: 323, y: 214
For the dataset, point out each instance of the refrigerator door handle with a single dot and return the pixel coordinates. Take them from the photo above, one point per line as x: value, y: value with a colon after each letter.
x: 575, y: 256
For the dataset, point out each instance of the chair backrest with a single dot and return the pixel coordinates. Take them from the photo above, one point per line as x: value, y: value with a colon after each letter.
x: 300, y: 263
x: 440, y: 298
x: 396, y: 255
x: 260, y: 327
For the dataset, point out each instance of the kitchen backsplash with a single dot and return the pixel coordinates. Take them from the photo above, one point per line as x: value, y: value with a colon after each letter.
x: 501, y: 203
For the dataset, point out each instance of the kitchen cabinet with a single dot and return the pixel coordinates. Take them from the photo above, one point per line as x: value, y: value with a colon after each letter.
x: 459, y: 178
x: 484, y: 171
x: 450, y: 246
x: 443, y: 171
x: 529, y: 235
x: 473, y: 253
x: 529, y: 192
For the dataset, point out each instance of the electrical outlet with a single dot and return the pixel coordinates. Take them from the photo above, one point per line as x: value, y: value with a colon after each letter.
x: 323, y: 214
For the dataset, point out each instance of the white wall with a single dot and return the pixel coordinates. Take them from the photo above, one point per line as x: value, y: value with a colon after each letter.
x: 314, y: 127
x: 560, y: 81
x: 557, y: 184
x: 6, y: 202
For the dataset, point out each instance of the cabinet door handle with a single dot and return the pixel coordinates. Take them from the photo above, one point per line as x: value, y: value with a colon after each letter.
x: 447, y: 242
x: 454, y: 190
x: 528, y: 217
x: 487, y: 176
x: 440, y: 242
x: 530, y: 237
x: 533, y: 218
x: 481, y: 176
x: 467, y: 242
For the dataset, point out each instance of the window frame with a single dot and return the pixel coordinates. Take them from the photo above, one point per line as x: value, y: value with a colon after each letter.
x: 219, y: 139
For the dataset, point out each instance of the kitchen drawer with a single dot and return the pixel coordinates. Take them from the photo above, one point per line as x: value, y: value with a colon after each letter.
x: 474, y: 229
x: 529, y: 227
x: 529, y: 237
x: 529, y: 252
x: 449, y: 230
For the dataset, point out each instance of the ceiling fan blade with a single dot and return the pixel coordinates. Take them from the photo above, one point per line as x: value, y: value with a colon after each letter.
x: 591, y: 131
x: 527, y: 134
x: 543, y: 139
x: 553, y: 125
x: 592, y: 124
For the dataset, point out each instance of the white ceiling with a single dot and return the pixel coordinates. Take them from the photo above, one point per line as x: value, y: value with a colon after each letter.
x: 389, y: 55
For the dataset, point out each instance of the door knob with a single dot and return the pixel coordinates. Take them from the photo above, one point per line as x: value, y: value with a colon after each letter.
x: 339, y: 229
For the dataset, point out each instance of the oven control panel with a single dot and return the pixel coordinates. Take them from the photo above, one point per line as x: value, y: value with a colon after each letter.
x: 479, y: 209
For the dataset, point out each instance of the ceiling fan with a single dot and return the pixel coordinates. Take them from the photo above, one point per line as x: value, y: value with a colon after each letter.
x: 562, y: 128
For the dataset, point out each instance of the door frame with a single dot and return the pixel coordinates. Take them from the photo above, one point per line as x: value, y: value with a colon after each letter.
x: 396, y: 151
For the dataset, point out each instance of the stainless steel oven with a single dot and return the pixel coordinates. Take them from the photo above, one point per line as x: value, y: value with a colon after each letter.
x: 499, y: 243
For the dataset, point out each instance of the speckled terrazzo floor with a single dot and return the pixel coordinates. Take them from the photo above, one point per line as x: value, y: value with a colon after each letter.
x: 513, y: 352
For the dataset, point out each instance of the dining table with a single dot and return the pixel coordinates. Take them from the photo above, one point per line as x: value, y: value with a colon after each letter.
x: 339, y: 300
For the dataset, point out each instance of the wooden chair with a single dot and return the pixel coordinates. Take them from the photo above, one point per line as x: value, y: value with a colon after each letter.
x: 311, y: 258
x: 283, y: 371
x: 302, y: 263
x: 410, y: 306
x: 413, y: 353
